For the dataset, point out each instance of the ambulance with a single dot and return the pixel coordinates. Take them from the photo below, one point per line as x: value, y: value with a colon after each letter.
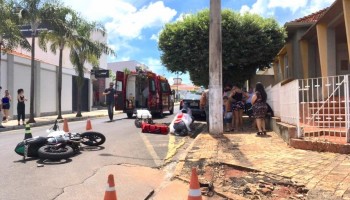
x: 143, y: 89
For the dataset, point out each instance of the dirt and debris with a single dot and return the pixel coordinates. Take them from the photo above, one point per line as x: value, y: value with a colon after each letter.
x: 251, y: 184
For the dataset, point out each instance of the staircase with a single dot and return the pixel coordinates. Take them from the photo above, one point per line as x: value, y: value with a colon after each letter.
x: 325, y: 120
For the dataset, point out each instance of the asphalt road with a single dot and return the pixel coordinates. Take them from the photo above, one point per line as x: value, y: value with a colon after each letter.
x: 125, y: 147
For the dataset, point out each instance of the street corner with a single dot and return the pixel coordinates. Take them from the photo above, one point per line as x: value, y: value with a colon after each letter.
x: 128, y: 180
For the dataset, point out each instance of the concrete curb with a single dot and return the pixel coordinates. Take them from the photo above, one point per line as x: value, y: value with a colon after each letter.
x: 51, y: 121
x: 182, y: 160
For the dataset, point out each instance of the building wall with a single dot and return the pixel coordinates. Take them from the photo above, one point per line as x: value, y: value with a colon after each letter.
x: 266, y: 80
x: 48, y: 89
x: 15, y: 73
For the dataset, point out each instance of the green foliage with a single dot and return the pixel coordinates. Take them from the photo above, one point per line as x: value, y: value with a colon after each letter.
x: 248, y: 42
x: 10, y: 35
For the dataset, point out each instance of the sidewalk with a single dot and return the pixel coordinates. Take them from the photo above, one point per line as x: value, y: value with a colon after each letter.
x: 46, y: 120
x: 270, y: 164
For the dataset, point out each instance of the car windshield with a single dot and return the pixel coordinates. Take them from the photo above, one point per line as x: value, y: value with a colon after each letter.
x: 192, y: 96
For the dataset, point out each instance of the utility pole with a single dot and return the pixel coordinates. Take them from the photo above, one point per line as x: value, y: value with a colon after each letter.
x: 215, y: 69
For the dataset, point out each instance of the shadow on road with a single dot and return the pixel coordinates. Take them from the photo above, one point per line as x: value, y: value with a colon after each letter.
x: 54, y: 162
x: 114, y: 120
x: 92, y: 148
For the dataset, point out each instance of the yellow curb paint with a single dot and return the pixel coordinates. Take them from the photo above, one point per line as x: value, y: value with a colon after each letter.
x: 173, y: 147
x: 151, y: 150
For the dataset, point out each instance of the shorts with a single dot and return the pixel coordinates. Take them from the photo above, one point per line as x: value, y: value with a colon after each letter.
x: 6, y: 106
x: 228, y: 117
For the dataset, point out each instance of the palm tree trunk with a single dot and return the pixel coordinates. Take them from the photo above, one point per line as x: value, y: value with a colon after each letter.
x: 59, y: 87
x: 31, y: 117
x: 80, y: 81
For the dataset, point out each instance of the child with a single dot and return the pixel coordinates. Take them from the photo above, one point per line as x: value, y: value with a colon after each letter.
x: 227, y: 113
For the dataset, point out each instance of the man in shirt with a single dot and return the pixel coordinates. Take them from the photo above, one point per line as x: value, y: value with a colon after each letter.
x: 110, y: 94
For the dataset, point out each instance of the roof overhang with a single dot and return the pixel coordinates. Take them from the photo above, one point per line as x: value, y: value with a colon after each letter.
x: 330, y: 16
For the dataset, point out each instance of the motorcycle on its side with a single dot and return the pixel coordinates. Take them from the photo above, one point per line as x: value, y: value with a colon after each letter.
x: 58, y: 144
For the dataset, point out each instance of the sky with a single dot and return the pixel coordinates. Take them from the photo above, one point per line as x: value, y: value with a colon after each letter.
x: 133, y: 26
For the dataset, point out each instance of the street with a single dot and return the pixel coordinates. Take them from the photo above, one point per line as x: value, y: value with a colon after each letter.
x: 132, y: 156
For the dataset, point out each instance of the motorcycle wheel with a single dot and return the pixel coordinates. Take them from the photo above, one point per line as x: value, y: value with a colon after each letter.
x: 92, y: 138
x: 46, y: 152
x: 138, y: 123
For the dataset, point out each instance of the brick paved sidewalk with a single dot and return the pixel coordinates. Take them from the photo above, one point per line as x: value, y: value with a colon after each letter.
x: 326, y: 175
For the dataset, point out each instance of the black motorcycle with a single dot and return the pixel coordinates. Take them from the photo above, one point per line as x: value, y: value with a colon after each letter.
x: 58, y: 144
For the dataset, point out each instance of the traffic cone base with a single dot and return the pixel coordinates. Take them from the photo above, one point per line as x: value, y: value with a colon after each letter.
x: 110, y: 193
x: 65, y: 126
x: 88, y: 125
x: 27, y: 133
x: 194, y: 191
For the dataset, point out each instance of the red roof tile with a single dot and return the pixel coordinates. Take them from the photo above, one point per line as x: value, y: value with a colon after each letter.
x: 314, y: 17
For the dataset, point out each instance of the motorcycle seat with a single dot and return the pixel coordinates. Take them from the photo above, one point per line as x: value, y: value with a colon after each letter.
x: 36, y: 140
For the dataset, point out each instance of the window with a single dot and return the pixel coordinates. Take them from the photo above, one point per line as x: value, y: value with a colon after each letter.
x: 152, y: 85
x: 164, y: 87
x: 119, y: 86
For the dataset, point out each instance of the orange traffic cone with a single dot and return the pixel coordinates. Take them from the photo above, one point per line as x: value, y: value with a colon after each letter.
x: 88, y: 125
x: 65, y: 126
x: 110, y: 193
x: 195, y: 191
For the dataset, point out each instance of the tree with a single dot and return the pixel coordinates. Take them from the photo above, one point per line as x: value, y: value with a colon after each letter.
x: 84, y: 50
x: 10, y: 35
x: 248, y: 42
x: 32, y: 12
x: 62, y: 24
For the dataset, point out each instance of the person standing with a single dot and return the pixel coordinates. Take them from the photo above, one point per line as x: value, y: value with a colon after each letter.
x: 21, y: 106
x: 110, y: 94
x: 227, y: 113
x: 260, y: 107
x: 204, y: 104
x: 6, y: 105
x: 237, y: 97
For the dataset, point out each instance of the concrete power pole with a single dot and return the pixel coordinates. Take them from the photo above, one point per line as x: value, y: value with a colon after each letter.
x: 215, y: 69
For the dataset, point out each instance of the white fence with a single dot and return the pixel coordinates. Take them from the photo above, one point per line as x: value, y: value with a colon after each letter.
x: 318, y: 107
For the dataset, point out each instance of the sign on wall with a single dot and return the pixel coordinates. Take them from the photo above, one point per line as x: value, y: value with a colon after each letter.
x: 101, y: 73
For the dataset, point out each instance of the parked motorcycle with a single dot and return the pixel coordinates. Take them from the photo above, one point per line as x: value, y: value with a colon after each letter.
x: 58, y: 144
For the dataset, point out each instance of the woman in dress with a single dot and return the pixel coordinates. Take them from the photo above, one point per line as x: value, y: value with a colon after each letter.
x: 260, y: 107
x: 6, y: 105
x: 20, y: 106
x: 237, y: 97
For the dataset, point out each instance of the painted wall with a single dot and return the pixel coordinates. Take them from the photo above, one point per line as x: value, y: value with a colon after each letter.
x: 16, y: 72
x: 48, y: 89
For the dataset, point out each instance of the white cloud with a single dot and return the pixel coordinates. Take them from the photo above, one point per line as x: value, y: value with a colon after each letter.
x: 130, y: 23
x: 124, y: 19
x: 182, y: 16
x: 155, y: 37
x: 291, y: 5
x: 155, y: 65
x: 244, y: 9
x: 298, y: 8
x: 316, y: 5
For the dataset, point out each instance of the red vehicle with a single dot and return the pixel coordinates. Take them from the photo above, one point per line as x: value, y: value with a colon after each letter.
x: 143, y: 90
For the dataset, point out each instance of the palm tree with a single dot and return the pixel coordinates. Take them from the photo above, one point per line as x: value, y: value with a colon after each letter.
x: 84, y: 50
x: 60, y: 34
x: 10, y: 35
x: 32, y: 12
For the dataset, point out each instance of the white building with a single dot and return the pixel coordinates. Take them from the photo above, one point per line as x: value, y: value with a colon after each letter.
x: 15, y: 73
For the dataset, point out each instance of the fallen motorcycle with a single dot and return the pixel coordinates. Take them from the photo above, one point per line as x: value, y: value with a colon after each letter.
x: 58, y: 144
